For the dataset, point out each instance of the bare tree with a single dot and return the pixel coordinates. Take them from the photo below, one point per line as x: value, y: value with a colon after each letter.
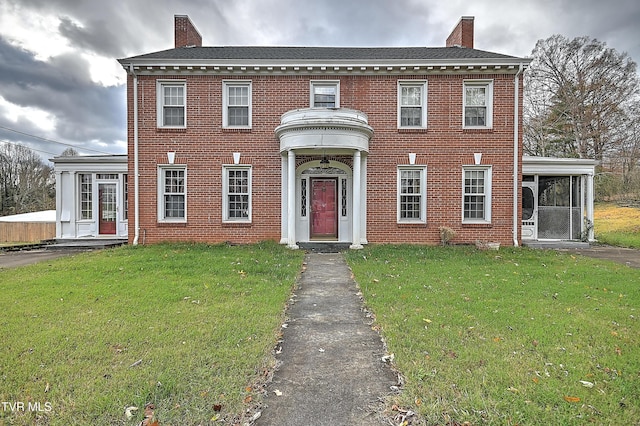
x: 26, y: 183
x: 578, y: 94
x: 69, y: 152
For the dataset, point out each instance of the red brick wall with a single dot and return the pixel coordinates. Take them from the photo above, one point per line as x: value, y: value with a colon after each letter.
x: 204, y: 147
x: 462, y: 34
x: 185, y: 32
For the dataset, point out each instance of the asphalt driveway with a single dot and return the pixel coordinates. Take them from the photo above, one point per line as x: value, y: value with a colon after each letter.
x: 12, y: 259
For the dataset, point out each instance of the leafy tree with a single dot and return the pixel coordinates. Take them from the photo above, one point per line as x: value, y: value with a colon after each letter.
x: 27, y: 184
x: 579, y: 99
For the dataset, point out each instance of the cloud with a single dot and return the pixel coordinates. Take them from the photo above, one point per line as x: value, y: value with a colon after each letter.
x: 62, y: 87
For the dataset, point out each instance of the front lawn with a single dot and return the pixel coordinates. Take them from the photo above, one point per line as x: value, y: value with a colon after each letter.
x: 616, y: 225
x: 511, y: 337
x: 188, y: 328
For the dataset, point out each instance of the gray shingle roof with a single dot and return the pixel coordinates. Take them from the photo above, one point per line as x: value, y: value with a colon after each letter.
x: 358, y: 54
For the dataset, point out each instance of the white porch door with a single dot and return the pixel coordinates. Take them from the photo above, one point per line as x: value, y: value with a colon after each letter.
x: 529, y: 211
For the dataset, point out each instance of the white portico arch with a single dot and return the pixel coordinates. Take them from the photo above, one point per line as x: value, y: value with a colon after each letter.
x: 324, y: 153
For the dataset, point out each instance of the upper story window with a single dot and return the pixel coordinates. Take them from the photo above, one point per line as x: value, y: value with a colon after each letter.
x: 325, y: 94
x: 172, y: 194
x: 236, y: 109
x: 478, y: 104
x: 172, y: 111
x: 412, y: 104
x: 476, y: 193
x: 412, y: 194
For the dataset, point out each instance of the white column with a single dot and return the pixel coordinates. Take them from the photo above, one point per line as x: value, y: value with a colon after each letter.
x: 284, y: 199
x: 590, y: 201
x: 291, y: 199
x: 355, y: 234
x: 59, y: 190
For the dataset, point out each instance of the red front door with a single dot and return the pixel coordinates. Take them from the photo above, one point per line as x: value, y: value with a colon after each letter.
x: 107, y: 205
x: 324, y: 208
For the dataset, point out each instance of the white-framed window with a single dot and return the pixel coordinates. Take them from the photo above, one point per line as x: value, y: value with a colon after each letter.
x: 325, y: 94
x: 236, y: 194
x: 476, y: 194
x: 86, y: 196
x: 172, y: 104
x: 412, y: 104
x: 172, y: 193
x: 412, y: 194
x: 478, y: 104
x: 125, y: 196
x: 236, y: 100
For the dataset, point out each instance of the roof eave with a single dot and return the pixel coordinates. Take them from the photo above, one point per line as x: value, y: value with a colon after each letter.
x: 460, y: 63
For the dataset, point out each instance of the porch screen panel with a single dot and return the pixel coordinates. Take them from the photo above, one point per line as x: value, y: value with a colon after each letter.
x: 559, y: 209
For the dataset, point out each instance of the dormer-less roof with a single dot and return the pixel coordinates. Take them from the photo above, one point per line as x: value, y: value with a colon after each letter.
x: 273, y: 53
x: 324, y: 60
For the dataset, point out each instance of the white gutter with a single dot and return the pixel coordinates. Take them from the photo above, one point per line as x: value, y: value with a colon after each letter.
x: 136, y: 186
x: 516, y: 171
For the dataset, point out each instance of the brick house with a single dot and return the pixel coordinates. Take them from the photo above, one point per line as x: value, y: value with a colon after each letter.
x: 324, y: 144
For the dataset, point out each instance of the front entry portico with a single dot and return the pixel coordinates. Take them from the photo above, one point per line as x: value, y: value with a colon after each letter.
x: 324, y: 176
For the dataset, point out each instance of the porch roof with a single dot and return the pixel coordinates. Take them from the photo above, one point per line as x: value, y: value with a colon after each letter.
x: 557, y: 166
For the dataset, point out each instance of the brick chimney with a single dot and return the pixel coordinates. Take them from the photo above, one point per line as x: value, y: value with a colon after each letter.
x: 462, y: 34
x: 186, y: 33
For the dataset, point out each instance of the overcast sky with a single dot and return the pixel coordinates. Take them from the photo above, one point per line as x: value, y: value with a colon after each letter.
x: 59, y: 79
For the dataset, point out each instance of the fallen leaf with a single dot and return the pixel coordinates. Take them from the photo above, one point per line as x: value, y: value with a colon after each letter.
x: 618, y: 351
x: 427, y: 320
x: 512, y: 389
x: 248, y: 389
x: 248, y: 399
x: 535, y: 380
x: 128, y: 412
x: 572, y: 399
x: 277, y: 392
x: 217, y: 407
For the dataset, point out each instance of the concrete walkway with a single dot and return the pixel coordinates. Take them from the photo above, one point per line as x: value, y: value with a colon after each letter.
x: 331, y: 370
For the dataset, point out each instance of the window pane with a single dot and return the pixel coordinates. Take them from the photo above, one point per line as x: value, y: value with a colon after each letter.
x: 324, y: 96
x: 475, y: 116
x: 476, y: 96
x: 411, y: 96
x: 410, y: 116
x: 238, y: 96
x: 474, y: 207
x: 238, y: 116
x: 174, y: 206
x: 174, y: 96
x: 173, y: 116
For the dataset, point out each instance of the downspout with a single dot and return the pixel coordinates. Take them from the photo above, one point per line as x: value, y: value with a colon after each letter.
x: 516, y: 170
x: 136, y: 185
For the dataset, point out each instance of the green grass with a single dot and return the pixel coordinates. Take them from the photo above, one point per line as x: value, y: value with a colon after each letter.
x: 201, y: 320
x: 507, y: 337
x: 617, y: 226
